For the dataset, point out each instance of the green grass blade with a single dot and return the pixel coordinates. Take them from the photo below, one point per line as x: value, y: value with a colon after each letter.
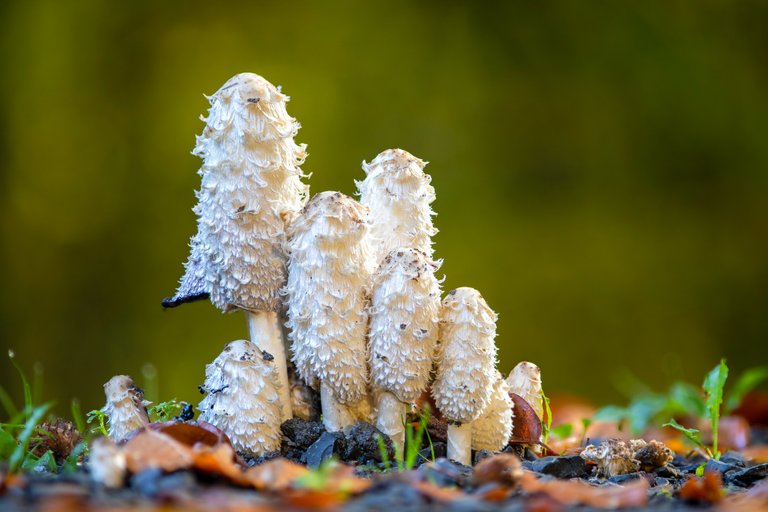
x: 77, y: 416
x: 7, y: 403
x: 36, y: 416
x: 27, y: 389
x: 713, y: 387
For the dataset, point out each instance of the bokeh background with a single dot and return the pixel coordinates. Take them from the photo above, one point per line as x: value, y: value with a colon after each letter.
x: 601, y: 171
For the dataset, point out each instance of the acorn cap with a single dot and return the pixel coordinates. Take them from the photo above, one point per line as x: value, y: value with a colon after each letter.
x: 399, y: 194
x: 404, y: 325
x: 326, y: 294
x: 466, y: 356
x: 243, y: 398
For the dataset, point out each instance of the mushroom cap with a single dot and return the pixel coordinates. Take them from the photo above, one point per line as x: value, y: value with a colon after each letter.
x: 525, y: 380
x: 466, y: 356
x: 119, y: 387
x: 250, y: 183
x: 404, y: 325
x: 243, y: 397
x: 327, y: 294
x: 399, y: 194
x: 125, y: 407
x: 492, y: 429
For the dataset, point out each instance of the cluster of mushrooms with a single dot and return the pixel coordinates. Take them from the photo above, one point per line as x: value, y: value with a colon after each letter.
x: 347, y: 287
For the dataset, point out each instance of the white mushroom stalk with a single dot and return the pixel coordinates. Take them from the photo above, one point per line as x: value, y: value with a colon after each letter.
x: 328, y: 285
x: 492, y: 429
x: 399, y: 194
x: 251, y: 182
x: 466, y: 364
x: 126, y: 408
x: 405, y: 315
x: 244, y: 398
x: 525, y: 380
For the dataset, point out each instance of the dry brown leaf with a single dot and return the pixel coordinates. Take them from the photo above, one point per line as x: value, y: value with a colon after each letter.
x: 706, y: 489
x: 574, y: 492
x: 314, y: 499
x: 191, y: 433
x: 275, y: 475
x: 436, y: 493
x: 503, y: 468
x: 219, y: 460
x: 493, y: 492
x: 150, y: 449
x: 526, y: 425
x: 757, y: 453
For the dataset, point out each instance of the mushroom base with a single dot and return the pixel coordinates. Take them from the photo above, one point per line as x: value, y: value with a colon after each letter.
x: 460, y: 443
x: 391, y: 419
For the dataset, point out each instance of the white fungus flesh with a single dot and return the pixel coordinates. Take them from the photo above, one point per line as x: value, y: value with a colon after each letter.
x: 126, y: 408
x: 525, y: 381
x: 405, y: 315
x: 244, y: 398
x: 466, y: 364
x: 492, y: 429
x: 327, y: 296
x: 251, y: 181
x: 399, y: 194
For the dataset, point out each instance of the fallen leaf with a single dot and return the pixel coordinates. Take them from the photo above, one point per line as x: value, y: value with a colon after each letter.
x: 503, y: 468
x: 526, y: 425
x: 275, y: 475
x: 757, y: 453
x: 150, y: 449
x: 219, y: 460
x: 436, y: 493
x: 191, y: 433
x: 314, y: 499
x: 493, y: 492
x: 706, y: 489
x: 574, y: 492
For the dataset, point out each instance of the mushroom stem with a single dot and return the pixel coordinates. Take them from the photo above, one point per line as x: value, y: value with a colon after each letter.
x: 391, y: 418
x: 336, y: 415
x: 264, y: 330
x: 460, y: 442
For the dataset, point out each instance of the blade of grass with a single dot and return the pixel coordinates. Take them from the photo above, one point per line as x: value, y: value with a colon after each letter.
x: 713, y: 386
x: 7, y: 403
x: 35, y: 417
x: 27, y: 390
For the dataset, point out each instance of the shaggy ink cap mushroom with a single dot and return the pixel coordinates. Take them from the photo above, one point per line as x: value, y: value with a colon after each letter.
x: 405, y: 315
x: 326, y: 296
x: 126, y: 408
x: 491, y: 431
x: 399, y: 194
x: 525, y: 381
x: 244, y: 398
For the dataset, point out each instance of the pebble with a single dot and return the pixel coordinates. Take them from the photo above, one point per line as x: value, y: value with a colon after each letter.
x: 571, y: 466
x: 748, y: 476
x: 718, y: 466
x: 329, y: 444
x: 444, y: 472
x: 362, y: 445
x: 301, y: 433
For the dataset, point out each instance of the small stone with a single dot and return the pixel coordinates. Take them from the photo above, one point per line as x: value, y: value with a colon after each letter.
x: 481, y: 455
x: 301, y: 433
x: 622, y: 479
x: 718, y: 466
x: 444, y: 472
x: 734, y: 459
x: 748, y: 476
x: 329, y: 444
x: 572, y: 466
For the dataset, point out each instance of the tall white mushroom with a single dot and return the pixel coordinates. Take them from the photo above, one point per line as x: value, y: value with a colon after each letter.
x: 465, y: 366
x: 398, y: 192
x: 492, y: 429
x: 126, y: 408
x: 243, y: 398
x: 405, y: 315
x: 327, y: 294
x: 251, y: 181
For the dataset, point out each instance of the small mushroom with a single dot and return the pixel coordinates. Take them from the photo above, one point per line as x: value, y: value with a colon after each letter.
x: 244, y: 398
x: 398, y: 193
x: 107, y: 463
x: 327, y: 294
x: 492, y: 429
x: 525, y: 380
x: 613, y: 457
x: 251, y: 183
x: 126, y: 408
x: 405, y: 315
x: 465, y: 366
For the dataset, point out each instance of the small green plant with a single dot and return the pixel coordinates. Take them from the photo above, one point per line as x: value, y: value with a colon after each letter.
x: 165, y: 411
x: 713, y: 386
x: 413, y: 442
x: 546, y: 423
x: 98, y: 417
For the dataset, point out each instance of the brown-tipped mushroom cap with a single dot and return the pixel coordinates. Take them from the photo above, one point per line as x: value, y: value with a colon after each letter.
x: 125, y: 407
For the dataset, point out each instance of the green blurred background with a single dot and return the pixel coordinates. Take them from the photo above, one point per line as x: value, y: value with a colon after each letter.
x: 601, y: 172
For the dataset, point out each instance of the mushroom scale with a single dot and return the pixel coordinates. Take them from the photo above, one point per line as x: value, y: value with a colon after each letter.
x: 399, y: 194
x: 466, y: 356
x: 327, y: 294
x: 492, y: 429
x: 250, y: 181
x: 244, y: 398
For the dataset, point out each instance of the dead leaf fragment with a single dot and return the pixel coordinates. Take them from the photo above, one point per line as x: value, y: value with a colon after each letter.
x: 706, y: 489
x: 503, y: 468
x: 574, y: 492
x: 191, y: 433
x: 526, y: 425
x: 757, y: 453
x: 275, y: 475
x: 436, y: 493
x: 150, y: 449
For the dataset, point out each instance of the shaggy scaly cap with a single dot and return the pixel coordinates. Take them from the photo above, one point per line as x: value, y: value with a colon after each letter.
x: 492, y: 429
x: 251, y: 181
x: 328, y: 280
x: 466, y: 356
x: 525, y: 381
x: 405, y: 315
x: 399, y: 194
x: 125, y: 407
x: 243, y: 398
